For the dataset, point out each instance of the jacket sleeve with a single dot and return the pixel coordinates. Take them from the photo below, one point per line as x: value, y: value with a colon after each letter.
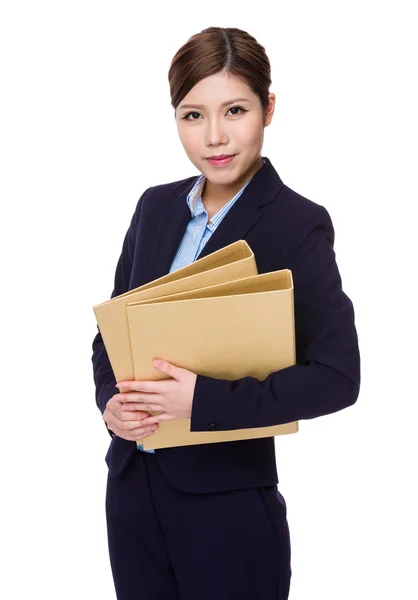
x: 103, y: 376
x: 326, y: 376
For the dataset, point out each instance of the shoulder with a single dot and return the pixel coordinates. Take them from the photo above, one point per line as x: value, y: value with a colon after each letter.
x: 302, y: 217
x: 302, y: 210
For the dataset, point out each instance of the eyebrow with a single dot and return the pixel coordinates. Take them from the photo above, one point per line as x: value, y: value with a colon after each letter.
x: 223, y: 103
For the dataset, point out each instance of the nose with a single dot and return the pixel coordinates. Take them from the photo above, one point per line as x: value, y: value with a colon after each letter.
x: 215, y: 132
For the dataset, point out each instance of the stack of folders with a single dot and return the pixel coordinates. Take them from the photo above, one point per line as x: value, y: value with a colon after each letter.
x: 216, y: 317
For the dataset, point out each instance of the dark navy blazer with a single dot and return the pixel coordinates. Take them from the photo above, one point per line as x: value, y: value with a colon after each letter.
x: 285, y: 231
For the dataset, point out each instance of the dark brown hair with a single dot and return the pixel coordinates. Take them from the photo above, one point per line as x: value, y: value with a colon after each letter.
x: 217, y: 49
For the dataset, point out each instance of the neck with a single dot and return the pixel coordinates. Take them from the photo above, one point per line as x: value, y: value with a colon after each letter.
x: 218, y: 194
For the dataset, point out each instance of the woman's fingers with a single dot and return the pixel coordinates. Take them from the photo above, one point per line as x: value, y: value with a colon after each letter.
x: 128, y: 425
x: 158, y: 418
x: 140, y: 407
x: 134, y: 434
x: 131, y: 425
x: 141, y: 432
x: 132, y: 415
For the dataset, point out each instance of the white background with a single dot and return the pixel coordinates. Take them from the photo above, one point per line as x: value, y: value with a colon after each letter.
x: 86, y: 127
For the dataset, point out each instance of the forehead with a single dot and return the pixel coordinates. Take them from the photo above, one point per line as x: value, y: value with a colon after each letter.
x: 218, y: 88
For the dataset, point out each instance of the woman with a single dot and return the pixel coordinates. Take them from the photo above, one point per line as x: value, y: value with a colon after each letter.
x: 205, y: 521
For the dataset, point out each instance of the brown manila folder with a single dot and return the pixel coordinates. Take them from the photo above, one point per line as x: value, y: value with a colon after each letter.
x: 230, y: 264
x: 230, y: 330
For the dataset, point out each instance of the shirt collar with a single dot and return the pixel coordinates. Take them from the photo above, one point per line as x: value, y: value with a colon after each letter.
x: 196, y: 193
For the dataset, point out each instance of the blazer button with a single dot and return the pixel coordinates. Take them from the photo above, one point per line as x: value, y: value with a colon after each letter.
x: 213, y: 426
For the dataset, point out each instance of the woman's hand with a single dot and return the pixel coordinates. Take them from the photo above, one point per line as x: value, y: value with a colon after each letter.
x: 126, y: 424
x: 174, y: 397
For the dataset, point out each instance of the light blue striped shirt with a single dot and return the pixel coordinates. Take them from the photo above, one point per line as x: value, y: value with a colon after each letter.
x: 198, y: 232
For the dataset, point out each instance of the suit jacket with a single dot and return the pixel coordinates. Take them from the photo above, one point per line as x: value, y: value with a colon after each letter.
x: 285, y: 231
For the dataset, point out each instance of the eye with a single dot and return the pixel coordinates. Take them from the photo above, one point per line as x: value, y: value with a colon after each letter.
x: 239, y: 108
x: 190, y: 113
x: 197, y: 113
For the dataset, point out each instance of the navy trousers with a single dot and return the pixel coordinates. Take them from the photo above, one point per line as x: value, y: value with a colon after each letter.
x: 168, y: 544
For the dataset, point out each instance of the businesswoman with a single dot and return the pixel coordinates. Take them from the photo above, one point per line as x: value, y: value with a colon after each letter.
x: 208, y: 521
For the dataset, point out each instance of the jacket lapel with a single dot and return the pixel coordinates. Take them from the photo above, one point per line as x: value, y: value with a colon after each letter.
x: 172, y: 225
x: 236, y: 224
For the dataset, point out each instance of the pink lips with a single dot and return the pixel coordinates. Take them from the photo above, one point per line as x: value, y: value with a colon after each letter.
x: 220, y: 162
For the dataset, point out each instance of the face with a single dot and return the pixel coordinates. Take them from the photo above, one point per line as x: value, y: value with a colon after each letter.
x: 211, y: 121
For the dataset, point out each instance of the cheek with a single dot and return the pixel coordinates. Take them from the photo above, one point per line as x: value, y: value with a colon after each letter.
x: 190, y: 138
x: 248, y: 135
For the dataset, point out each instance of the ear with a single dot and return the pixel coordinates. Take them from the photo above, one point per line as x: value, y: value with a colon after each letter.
x: 268, y: 114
